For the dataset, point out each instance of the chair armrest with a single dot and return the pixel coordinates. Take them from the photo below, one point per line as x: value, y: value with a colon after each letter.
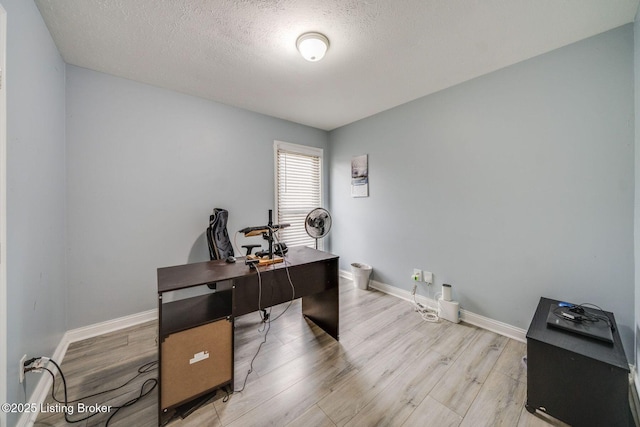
x: 249, y: 248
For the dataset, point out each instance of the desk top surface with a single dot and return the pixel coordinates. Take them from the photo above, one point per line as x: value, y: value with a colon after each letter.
x: 202, y: 273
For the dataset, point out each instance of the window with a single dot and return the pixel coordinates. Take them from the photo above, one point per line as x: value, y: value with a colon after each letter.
x: 298, y: 174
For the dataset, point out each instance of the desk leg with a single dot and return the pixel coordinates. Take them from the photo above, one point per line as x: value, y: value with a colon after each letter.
x: 323, y: 309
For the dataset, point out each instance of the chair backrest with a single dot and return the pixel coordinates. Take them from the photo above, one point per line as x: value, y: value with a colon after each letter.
x: 220, y: 246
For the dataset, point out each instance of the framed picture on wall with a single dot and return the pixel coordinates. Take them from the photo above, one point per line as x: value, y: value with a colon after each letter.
x: 360, y: 176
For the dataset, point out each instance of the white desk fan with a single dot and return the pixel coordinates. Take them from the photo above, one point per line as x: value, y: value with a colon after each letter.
x: 318, y: 223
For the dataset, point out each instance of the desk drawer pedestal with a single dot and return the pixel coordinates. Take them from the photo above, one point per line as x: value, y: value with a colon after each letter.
x: 196, y: 361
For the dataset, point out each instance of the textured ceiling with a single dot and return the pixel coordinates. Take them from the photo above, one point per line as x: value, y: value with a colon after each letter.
x: 382, y: 53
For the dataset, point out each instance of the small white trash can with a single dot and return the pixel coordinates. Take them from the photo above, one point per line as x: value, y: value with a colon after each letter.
x: 361, y: 275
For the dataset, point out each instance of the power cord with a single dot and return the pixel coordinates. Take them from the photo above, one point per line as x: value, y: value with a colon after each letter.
x: 148, y: 384
x: 286, y: 268
x: 428, y: 314
x: 265, y: 316
x: 265, y: 320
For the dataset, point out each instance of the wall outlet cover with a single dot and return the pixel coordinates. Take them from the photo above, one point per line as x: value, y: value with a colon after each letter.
x: 427, y: 276
x: 21, y: 368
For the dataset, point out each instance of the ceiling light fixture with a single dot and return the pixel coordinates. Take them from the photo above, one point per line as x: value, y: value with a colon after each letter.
x: 312, y: 46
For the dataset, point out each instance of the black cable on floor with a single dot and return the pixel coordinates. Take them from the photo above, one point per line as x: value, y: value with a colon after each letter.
x: 149, y: 385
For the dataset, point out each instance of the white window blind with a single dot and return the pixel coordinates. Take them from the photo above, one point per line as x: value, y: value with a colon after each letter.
x: 298, y: 190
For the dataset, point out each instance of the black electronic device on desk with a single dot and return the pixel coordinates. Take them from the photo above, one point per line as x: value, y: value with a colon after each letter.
x: 574, y: 373
x: 275, y: 253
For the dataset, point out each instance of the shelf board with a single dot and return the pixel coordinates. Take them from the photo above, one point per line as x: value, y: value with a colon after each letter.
x: 195, y: 311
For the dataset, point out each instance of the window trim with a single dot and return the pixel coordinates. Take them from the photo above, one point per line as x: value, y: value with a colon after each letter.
x: 297, y: 149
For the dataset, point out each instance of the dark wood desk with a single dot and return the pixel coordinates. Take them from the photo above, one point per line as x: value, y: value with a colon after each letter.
x: 313, y: 273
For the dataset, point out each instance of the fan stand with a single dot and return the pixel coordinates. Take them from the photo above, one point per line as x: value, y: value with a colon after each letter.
x: 316, y: 243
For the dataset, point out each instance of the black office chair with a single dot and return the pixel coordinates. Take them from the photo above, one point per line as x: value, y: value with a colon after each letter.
x: 220, y: 246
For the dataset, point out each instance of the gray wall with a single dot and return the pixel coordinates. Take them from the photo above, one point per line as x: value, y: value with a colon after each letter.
x: 36, y: 288
x: 145, y: 168
x: 515, y: 185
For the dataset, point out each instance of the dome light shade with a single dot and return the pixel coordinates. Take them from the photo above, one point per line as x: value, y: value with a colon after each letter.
x: 312, y: 46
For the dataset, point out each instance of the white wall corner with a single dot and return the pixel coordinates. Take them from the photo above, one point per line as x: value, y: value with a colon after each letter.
x: 43, y: 385
x: 634, y: 394
x: 466, y: 316
x: 3, y: 212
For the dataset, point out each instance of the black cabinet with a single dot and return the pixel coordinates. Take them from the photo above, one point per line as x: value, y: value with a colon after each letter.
x: 576, y: 379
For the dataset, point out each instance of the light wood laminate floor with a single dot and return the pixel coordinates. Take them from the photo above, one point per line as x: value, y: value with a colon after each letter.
x: 390, y: 368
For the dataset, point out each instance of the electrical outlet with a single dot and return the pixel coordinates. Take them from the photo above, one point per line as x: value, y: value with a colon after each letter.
x: 417, y: 275
x: 21, y: 368
x: 427, y: 276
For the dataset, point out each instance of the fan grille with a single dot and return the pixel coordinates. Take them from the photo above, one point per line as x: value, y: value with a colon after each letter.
x: 318, y: 223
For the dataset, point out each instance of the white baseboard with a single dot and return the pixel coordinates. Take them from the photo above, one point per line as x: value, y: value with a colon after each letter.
x: 41, y: 390
x: 43, y: 385
x: 101, y: 328
x: 466, y: 316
